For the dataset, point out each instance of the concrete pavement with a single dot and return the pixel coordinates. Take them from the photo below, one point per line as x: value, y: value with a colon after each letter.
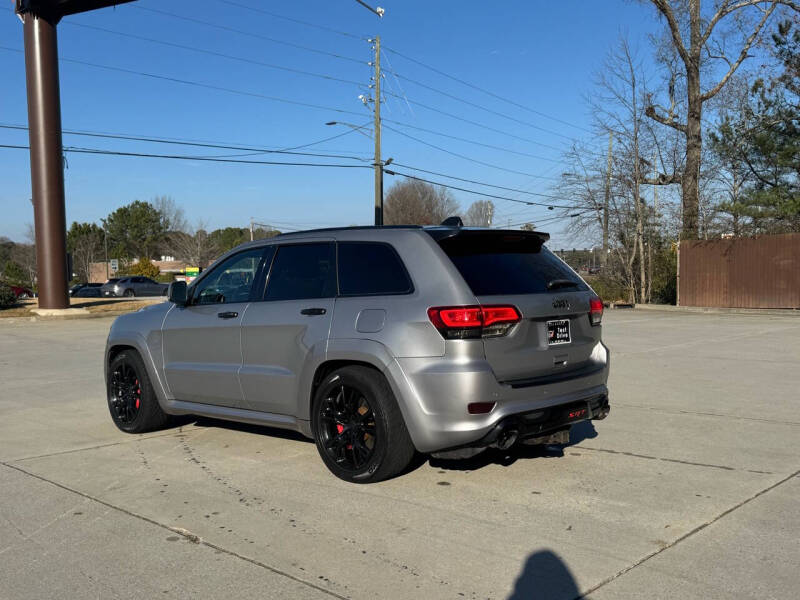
x: 689, y: 489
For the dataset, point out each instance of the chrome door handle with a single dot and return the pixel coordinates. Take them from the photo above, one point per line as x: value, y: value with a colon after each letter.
x: 313, y: 311
x: 228, y: 315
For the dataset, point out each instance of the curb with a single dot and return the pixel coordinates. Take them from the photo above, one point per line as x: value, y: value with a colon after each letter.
x: 784, y: 312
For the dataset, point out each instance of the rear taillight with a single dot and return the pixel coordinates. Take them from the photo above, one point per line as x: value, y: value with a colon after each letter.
x: 470, y: 322
x: 595, y: 311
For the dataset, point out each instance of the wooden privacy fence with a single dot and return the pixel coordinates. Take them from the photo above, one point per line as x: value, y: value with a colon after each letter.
x: 759, y: 272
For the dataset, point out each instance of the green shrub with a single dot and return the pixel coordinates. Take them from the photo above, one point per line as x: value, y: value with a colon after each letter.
x: 165, y: 277
x: 7, y: 296
x: 144, y: 268
x: 608, y: 288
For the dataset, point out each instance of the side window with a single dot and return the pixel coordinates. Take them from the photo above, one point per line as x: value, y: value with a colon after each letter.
x: 231, y: 281
x: 370, y: 269
x: 302, y: 271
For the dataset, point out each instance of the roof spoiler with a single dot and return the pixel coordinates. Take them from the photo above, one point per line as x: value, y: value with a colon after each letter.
x: 453, y: 222
x: 483, y: 234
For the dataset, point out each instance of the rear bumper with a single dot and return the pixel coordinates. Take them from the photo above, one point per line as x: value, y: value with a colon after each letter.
x: 434, y: 393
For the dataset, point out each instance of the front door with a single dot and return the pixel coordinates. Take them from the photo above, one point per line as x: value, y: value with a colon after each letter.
x: 201, y: 341
x: 292, y: 321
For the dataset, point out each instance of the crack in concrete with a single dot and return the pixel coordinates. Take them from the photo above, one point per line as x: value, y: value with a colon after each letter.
x: 705, y: 414
x: 179, y: 431
x: 675, y: 460
x: 186, y: 534
x: 698, y: 529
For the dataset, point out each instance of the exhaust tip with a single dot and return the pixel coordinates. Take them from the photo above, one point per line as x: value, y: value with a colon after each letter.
x: 507, y: 438
x: 602, y: 413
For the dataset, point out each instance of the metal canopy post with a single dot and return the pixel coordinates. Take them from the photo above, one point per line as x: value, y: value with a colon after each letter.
x: 47, y: 169
x: 40, y: 18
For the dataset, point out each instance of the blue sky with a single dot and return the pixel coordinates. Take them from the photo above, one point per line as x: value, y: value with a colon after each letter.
x: 538, y: 54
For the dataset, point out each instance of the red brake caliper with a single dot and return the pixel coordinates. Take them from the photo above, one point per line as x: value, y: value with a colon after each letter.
x: 339, y: 430
x: 138, y: 393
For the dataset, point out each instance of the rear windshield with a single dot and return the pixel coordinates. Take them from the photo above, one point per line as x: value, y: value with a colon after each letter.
x: 509, y: 265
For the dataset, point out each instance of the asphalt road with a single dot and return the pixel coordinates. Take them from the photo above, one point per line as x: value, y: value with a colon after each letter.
x: 690, y: 488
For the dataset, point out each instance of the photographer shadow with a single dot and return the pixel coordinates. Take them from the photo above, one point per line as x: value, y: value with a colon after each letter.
x: 545, y: 577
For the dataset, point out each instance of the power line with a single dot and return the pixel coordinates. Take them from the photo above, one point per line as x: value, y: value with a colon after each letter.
x: 500, y: 187
x: 484, y: 91
x: 177, y: 142
x: 79, y: 150
x: 477, y: 124
x: 462, y: 156
x: 293, y: 20
x: 477, y: 193
x: 213, y: 53
x: 198, y: 84
x: 479, y: 106
x: 469, y: 141
x: 246, y: 33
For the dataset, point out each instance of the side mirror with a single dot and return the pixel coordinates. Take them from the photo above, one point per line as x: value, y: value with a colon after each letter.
x: 177, y: 293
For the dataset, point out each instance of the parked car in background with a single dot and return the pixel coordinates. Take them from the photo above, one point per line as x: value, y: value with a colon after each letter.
x: 133, y: 286
x: 22, y: 292
x: 375, y: 342
x: 85, y: 290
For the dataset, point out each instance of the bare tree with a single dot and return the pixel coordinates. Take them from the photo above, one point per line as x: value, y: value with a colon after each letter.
x: 172, y: 216
x: 413, y: 202
x: 479, y: 214
x: 701, y: 42
x: 194, y: 246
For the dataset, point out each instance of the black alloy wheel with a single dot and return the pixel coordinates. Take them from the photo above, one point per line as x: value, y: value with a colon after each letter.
x: 132, y: 401
x: 348, y: 430
x: 126, y: 393
x: 358, y: 427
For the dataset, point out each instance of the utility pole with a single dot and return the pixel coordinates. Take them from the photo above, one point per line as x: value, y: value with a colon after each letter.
x: 105, y: 247
x: 652, y: 229
x: 251, y: 229
x: 377, y: 111
x: 604, y: 258
x: 40, y: 19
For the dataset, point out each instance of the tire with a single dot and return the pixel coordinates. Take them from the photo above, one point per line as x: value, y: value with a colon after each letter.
x: 129, y: 294
x: 353, y: 407
x: 131, y: 399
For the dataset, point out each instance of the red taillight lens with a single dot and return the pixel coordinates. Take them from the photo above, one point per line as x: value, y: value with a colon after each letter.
x: 499, y: 314
x: 595, y: 311
x: 459, y: 316
x: 467, y: 322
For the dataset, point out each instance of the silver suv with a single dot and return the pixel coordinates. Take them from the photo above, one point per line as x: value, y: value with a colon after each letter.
x: 375, y: 342
x: 133, y: 286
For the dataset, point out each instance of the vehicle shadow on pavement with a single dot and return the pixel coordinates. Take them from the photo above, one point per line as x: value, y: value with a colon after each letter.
x: 506, y: 458
x: 286, y: 434
x: 544, y: 576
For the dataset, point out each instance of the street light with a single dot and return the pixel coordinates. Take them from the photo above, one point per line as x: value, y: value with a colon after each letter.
x: 357, y: 128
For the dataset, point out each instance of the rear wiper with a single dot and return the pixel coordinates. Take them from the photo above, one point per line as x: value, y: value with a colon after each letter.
x: 560, y: 283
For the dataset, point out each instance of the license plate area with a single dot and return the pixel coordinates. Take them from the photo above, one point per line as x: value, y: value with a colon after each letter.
x: 558, y: 332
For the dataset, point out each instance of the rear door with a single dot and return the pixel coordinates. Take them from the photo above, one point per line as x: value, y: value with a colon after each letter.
x: 290, y: 323
x: 504, y: 267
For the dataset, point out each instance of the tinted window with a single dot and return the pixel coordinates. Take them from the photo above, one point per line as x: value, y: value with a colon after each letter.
x: 508, y: 265
x: 370, y: 269
x: 231, y: 281
x: 302, y: 271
